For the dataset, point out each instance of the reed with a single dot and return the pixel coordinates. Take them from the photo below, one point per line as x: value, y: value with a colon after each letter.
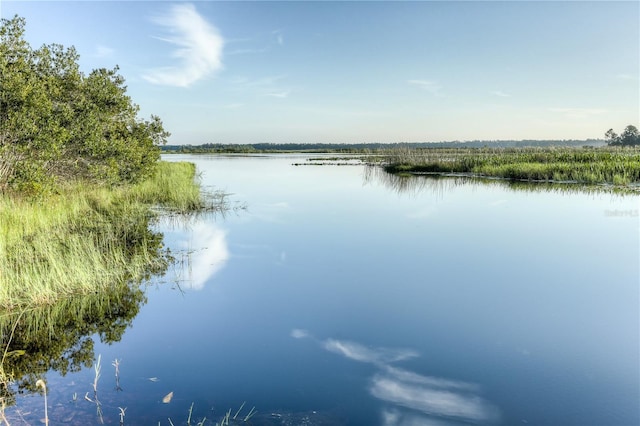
x: 97, y: 367
x: 604, y: 165
x: 84, y: 239
x: 122, y: 413
x: 173, y: 186
x: 3, y: 416
x: 116, y: 364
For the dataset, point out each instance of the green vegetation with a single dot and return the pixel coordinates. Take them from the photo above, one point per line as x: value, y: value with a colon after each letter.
x: 604, y: 165
x: 80, y: 186
x: 86, y: 238
x: 79, y: 177
x: 629, y: 137
x: 363, y: 148
x: 59, y: 125
x: 59, y: 337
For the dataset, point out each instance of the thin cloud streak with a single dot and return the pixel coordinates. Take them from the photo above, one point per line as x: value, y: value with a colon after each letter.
x: 429, y: 85
x: 103, y: 51
x: 199, y: 48
x: 279, y: 37
x: 234, y: 105
x: 578, y: 112
x: 278, y: 94
x: 628, y: 77
x: 500, y: 94
x: 263, y: 87
x: 247, y: 51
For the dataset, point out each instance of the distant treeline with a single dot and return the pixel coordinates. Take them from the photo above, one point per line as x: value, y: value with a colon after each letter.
x: 364, y: 147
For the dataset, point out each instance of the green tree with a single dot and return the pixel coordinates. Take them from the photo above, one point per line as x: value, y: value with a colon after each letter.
x: 58, y: 124
x: 612, y: 137
x: 630, y: 137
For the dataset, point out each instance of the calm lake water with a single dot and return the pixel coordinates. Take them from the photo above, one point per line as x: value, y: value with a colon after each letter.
x: 341, y: 297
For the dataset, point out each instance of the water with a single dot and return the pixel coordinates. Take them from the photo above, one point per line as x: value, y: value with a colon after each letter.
x: 340, y: 297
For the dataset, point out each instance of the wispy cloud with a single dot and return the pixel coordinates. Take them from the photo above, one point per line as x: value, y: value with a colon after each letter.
x: 247, y: 51
x: 578, y: 112
x: 267, y: 41
x: 279, y: 35
x: 500, y: 94
x: 298, y: 333
x: 283, y: 94
x: 199, y: 47
x: 263, y: 87
x: 103, y: 51
x: 626, y: 77
x: 430, y: 86
x: 235, y: 105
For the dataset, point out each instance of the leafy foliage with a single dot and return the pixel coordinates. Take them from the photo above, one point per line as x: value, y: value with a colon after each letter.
x: 58, y: 124
x: 630, y: 137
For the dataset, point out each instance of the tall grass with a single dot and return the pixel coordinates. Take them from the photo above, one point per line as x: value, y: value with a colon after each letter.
x: 616, y: 166
x: 84, y: 239
x: 173, y: 186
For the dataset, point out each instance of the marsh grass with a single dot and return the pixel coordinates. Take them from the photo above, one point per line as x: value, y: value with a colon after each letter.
x: 605, y: 165
x: 84, y: 239
x: 174, y: 186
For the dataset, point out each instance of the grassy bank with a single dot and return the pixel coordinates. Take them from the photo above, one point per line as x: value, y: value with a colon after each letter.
x: 617, y: 166
x: 85, y: 239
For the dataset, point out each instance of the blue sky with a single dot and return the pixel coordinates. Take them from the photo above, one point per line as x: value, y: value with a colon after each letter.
x: 248, y: 72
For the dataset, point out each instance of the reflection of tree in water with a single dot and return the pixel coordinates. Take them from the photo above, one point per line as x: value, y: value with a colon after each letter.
x: 59, y: 337
x: 439, y: 184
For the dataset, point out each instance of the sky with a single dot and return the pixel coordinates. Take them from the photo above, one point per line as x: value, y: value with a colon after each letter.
x: 358, y: 72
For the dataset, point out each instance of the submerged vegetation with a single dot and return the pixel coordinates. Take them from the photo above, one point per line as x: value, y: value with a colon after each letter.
x: 615, y: 166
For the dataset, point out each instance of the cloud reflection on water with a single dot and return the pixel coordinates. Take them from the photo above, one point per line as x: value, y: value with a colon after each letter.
x: 362, y: 353
x: 207, y: 253
x: 414, y: 399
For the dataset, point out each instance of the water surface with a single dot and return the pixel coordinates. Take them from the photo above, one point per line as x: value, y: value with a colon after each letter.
x: 341, y: 297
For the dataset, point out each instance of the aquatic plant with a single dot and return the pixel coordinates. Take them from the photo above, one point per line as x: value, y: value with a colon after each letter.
x: 116, y: 364
x: 60, y: 338
x: 85, y: 239
x: 3, y: 417
x: 122, y: 412
x: 440, y: 183
x: 40, y: 383
x: 225, y: 421
x: 95, y: 400
x: 604, y: 165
